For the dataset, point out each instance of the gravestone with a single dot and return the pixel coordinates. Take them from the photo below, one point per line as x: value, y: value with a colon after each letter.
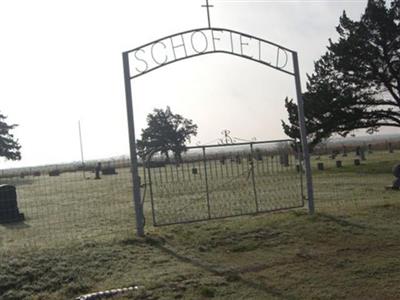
x: 238, y: 159
x: 108, y: 171
x: 155, y: 164
x: 357, y: 162
x: 54, y: 173
x: 320, y: 166
x: 334, y: 154
x: 344, y: 151
x: 338, y: 164
x: 358, y: 151
x: 259, y: 155
x: 300, y: 168
x: 390, y: 148
x: 9, y: 212
x: 362, y: 154
x: 396, y: 173
x: 97, y: 170
x: 284, y: 159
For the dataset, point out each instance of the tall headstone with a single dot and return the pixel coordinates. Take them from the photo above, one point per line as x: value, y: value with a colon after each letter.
x: 9, y: 212
x: 97, y: 170
x: 370, y: 148
x: 390, y: 148
x: 358, y: 151
x: 362, y: 154
x: 344, y: 151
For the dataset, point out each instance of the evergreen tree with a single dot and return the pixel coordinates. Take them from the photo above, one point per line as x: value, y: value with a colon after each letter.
x: 356, y: 83
x: 9, y: 146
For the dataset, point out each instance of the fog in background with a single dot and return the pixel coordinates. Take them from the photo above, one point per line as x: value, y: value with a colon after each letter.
x: 60, y: 62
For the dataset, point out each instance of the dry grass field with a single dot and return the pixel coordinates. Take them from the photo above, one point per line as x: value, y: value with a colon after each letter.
x: 78, y: 237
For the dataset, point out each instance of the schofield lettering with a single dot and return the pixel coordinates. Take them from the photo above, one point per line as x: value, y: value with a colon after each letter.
x: 174, y: 47
x: 146, y: 65
x: 203, y: 37
x: 279, y: 58
x: 153, y: 47
x: 208, y: 40
x: 242, y: 43
x: 215, y: 38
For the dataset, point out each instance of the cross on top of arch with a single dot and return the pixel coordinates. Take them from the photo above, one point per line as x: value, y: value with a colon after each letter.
x: 208, y: 12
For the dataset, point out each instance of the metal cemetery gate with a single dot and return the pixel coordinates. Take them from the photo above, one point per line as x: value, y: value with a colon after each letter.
x: 222, y: 181
x: 194, y: 43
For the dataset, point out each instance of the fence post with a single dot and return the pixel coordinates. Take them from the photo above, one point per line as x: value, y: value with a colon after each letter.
x: 132, y: 143
x: 303, y: 134
x: 206, y: 179
x: 253, y: 176
x: 150, y: 184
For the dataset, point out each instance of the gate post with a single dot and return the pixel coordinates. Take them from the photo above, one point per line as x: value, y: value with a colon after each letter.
x: 133, y: 153
x: 303, y: 134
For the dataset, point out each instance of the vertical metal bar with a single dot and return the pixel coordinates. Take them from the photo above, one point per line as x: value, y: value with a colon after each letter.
x: 166, y: 177
x: 206, y: 179
x: 221, y: 167
x: 299, y: 153
x: 132, y: 145
x: 303, y: 134
x: 189, y: 172
x: 80, y: 141
x: 252, y: 175
x: 177, y: 171
x: 215, y: 166
x: 172, y: 172
x: 197, y: 165
x: 183, y: 170
x: 151, y: 195
x: 159, y: 169
x: 234, y: 159
x: 238, y: 162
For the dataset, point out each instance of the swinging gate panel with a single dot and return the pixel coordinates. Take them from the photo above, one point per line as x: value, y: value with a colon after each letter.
x: 220, y: 181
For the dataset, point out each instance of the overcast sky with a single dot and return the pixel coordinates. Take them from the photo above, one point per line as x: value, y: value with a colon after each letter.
x: 60, y: 62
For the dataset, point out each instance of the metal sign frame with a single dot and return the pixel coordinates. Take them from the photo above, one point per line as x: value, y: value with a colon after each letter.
x: 128, y: 77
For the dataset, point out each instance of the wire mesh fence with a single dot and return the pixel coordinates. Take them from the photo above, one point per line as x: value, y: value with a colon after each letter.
x: 64, y: 204
x: 57, y: 205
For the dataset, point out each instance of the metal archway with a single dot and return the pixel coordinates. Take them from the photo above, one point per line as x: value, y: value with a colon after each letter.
x: 197, y: 42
